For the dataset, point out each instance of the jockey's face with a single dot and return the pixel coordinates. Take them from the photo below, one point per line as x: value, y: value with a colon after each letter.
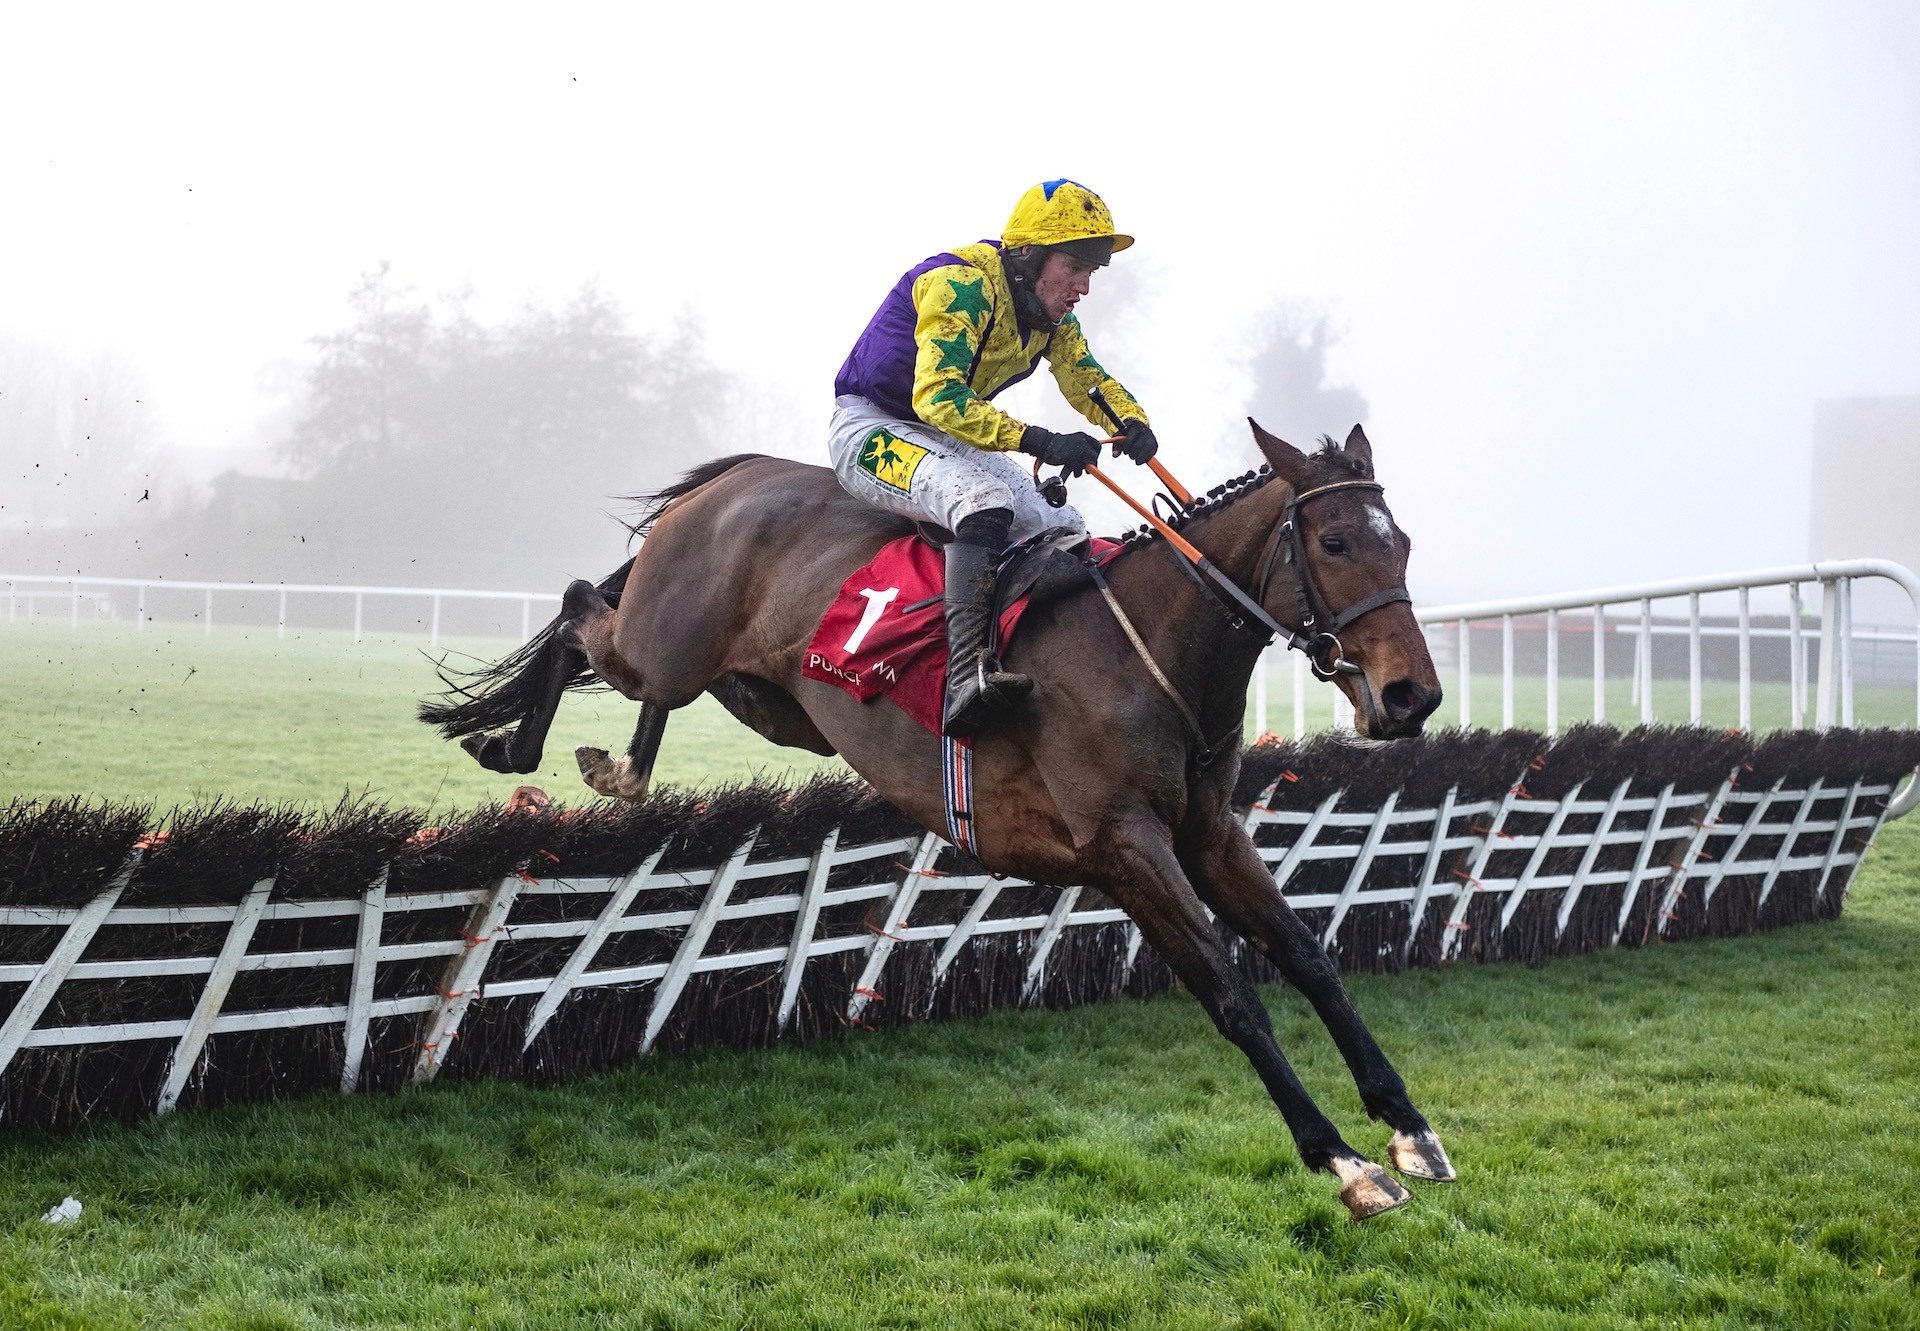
x: 1062, y: 281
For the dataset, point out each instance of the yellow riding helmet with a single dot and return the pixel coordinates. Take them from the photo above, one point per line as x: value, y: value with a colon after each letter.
x: 1057, y: 212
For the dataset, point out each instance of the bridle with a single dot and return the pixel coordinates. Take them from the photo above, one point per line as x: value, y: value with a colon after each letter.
x: 1316, y: 638
x: 1320, y: 645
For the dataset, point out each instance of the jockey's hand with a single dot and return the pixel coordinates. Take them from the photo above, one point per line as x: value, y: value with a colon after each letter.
x: 1072, y: 453
x: 1137, y: 442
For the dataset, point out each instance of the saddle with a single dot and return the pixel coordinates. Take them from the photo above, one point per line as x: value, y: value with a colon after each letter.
x: 1040, y: 569
x: 885, y: 633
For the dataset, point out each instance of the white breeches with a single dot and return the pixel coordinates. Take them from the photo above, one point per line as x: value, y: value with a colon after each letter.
x: 910, y: 468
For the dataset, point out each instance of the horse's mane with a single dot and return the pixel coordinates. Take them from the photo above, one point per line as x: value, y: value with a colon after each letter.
x: 1334, y: 463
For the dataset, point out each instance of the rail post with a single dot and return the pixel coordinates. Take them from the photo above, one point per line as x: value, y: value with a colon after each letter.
x: 1553, y: 672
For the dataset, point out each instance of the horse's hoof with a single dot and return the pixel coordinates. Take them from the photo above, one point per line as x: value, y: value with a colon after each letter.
x: 489, y: 749
x: 1420, y: 1155
x: 614, y: 778
x: 1368, y: 1189
x: 582, y: 598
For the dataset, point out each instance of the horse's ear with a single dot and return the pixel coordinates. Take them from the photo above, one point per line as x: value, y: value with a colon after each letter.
x: 1283, y: 456
x: 1359, y: 449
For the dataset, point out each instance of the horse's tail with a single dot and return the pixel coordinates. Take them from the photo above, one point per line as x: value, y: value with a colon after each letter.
x: 503, y: 693
x: 653, y: 505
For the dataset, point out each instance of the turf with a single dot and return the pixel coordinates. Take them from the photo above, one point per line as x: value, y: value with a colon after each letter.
x: 1715, y: 1134
x: 1710, y: 1135
x: 177, y: 716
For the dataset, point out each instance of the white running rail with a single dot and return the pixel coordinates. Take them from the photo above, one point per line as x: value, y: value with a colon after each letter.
x: 25, y: 591
x: 1830, y: 680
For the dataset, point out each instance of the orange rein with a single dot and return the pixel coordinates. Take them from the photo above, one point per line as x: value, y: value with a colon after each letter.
x: 1180, y: 493
x: 1179, y: 542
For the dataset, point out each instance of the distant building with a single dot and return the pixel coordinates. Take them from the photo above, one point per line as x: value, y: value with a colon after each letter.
x: 244, y: 502
x: 1865, y: 496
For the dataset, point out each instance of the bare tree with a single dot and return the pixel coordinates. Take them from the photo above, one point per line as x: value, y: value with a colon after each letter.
x: 1291, y: 394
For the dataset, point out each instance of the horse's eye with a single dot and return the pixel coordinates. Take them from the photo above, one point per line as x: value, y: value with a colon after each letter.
x: 1334, y: 545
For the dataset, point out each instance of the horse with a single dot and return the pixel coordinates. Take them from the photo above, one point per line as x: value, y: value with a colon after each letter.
x: 1116, y: 772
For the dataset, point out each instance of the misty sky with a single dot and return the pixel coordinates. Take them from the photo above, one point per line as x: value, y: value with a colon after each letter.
x: 1591, y: 266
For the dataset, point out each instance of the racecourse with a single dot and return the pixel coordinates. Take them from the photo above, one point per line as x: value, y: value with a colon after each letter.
x: 173, y: 716
x: 1713, y: 1134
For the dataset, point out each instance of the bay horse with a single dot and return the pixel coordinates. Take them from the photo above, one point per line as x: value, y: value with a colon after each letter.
x: 1117, y: 772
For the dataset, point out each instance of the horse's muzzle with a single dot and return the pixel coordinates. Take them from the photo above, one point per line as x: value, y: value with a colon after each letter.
x: 1405, y: 705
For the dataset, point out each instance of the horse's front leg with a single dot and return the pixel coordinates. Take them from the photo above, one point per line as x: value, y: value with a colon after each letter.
x: 1229, y: 874
x: 1146, y: 879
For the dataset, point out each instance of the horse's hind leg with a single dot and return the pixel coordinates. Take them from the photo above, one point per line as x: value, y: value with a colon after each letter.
x: 628, y: 776
x: 1151, y: 886
x: 560, y: 663
x: 1229, y: 873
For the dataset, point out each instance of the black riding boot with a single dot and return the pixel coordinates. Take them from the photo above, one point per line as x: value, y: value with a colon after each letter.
x: 978, y: 691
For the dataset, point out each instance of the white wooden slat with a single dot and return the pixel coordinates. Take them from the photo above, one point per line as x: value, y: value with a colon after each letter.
x: 219, y: 981
x: 1696, y: 846
x: 1814, y: 793
x: 969, y: 924
x: 1599, y: 838
x: 1134, y: 939
x: 1654, y: 835
x: 1099, y: 915
x: 1542, y: 848
x: 1049, y: 935
x: 1841, y: 827
x: 366, y: 966
x: 1731, y: 855
x: 625, y: 889
x: 462, y: 978
x: 1429, y: 870
x: 27, y: 1009
x: 882, y: 942
x: 1291, y: 860
x: 1456, y: 918
x: 1258, y: 811
x: 875, y: 850
x: 693, y: 943
x: 805, y: 921
x: 1361, y: 863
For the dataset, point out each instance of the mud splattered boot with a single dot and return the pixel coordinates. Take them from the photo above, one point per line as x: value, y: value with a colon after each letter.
x: 978, y: 690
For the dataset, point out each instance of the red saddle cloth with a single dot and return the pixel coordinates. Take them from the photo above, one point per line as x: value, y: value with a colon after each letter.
x: 886, y: 635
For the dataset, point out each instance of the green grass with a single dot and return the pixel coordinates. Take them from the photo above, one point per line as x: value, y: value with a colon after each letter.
x: 1704, y: 1135
x: 177, y: 717
x: 174, y: 716
x: 1715, y: 1134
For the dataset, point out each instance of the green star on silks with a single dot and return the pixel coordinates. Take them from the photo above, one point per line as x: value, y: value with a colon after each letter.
x: 955, y: 354
x: 958, y: 394
x: 969, y: 298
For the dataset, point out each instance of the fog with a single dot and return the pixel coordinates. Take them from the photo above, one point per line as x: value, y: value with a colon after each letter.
x: 1589, y: 268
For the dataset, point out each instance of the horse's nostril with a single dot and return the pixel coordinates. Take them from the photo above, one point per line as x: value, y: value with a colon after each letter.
x: 1405, y: 700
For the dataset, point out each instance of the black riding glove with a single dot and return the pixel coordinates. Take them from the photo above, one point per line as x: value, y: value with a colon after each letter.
x: 1072, y: 453
x: 1137, y: 442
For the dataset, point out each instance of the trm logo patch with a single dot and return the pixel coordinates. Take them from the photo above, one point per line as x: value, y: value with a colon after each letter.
x: 890, y: 460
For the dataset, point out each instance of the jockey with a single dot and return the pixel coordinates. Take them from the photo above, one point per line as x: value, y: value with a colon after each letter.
x: 915, y: 431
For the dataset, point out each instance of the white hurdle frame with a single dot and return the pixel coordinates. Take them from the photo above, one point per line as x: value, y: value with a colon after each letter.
x: 1405, y: 847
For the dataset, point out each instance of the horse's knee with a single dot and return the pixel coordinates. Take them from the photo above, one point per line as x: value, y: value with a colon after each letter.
x: 983, y: 493
x: 1240, y: 1016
